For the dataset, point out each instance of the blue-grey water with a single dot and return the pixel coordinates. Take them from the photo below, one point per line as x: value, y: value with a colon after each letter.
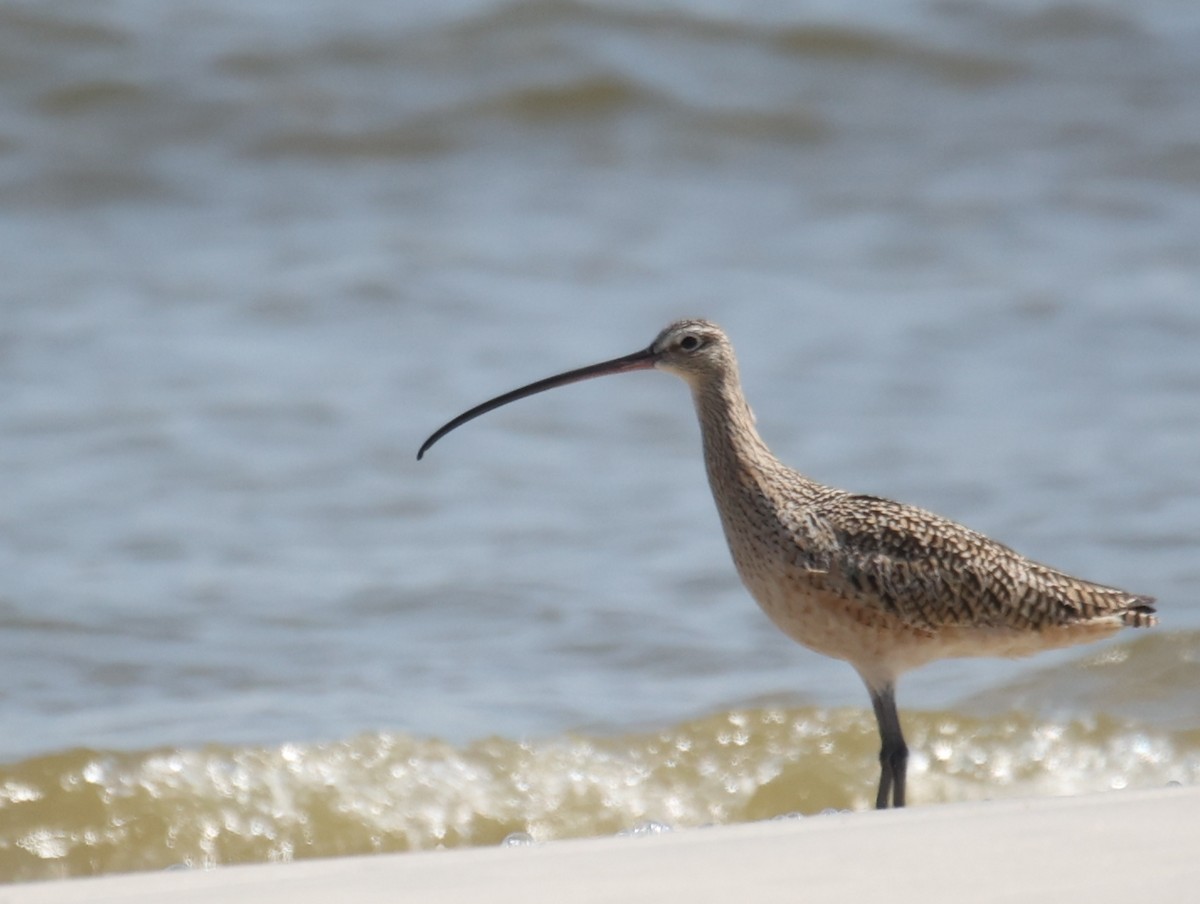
x: 254, y: 253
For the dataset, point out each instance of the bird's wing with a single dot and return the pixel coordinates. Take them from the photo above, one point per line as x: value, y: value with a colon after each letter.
x: 812, y: 539
x: 932, y: 572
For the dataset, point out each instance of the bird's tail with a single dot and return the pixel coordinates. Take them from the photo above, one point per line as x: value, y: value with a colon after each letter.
x: 1140, y: 613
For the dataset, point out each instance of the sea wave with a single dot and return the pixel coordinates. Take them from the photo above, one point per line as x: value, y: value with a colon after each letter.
x: 85, y: 812
x: 405, y: 85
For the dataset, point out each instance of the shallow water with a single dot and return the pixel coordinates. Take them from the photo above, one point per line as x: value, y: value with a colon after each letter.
x: 255, y: 255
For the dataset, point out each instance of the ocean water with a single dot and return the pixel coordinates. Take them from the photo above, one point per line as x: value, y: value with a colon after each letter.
x: 255, y: 253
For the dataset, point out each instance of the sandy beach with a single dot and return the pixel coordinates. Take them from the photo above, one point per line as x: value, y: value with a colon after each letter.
x: 1114, y: 847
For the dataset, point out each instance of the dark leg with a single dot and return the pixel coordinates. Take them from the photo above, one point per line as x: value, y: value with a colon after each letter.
x: 893, y: 755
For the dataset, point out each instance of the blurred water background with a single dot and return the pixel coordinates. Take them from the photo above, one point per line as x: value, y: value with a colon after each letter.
x: 255, y: 252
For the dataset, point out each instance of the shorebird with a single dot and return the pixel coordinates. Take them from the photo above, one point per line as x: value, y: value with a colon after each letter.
x: 884, y: 586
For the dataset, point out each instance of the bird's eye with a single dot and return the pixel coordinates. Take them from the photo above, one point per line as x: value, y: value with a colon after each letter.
x: 689, y: 343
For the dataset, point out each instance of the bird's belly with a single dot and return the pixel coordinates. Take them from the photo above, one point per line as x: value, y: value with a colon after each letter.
x: 812, y: 613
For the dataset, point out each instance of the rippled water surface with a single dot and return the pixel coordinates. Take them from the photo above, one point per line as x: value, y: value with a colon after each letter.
x: 255, y: 254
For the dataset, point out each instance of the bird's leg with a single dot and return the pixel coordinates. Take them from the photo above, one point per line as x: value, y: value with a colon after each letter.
x: 893, y: 755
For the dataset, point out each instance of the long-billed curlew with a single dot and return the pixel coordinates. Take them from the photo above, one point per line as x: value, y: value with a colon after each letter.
x: 884, y: 586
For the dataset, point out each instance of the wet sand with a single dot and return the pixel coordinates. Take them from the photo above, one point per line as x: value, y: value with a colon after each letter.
x: 1118, y: 847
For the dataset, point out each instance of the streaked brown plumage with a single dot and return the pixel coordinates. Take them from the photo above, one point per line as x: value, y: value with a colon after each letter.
x: 886, y: 587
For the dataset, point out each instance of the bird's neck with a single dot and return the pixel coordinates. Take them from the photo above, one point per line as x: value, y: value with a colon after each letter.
x: 734, y: 453
x: 756, y: 495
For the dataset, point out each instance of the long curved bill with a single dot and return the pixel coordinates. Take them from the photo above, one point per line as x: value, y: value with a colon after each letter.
x: 642, y: 360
